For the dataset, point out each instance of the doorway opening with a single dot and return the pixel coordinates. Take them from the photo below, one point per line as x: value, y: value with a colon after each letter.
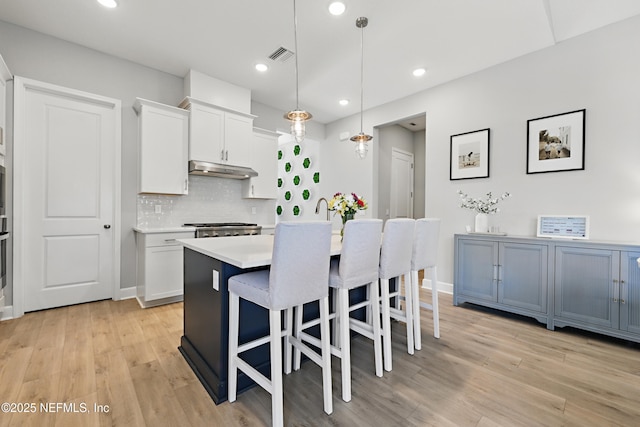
x: 402, y: 168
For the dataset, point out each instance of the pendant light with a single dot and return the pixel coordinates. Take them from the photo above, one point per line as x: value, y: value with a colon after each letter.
x: 297, y: 117
x: 362, y: 138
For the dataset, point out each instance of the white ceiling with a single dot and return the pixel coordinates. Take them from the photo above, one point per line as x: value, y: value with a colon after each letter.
x: 225, y: 38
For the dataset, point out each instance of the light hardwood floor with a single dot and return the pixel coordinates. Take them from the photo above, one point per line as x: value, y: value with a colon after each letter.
x: 487, y: 369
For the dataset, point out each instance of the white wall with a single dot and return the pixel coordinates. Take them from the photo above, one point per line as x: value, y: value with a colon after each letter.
x: 597, y: 71
x: 34, y: 55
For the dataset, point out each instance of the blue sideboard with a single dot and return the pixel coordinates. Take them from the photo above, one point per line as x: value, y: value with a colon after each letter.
x: 588, y: 285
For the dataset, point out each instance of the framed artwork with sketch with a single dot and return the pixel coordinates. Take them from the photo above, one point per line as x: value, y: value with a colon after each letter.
x: 556, y: 143
x: 469, y: 155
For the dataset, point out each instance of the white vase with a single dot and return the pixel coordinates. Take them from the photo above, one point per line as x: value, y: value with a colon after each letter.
x: 482, y: 223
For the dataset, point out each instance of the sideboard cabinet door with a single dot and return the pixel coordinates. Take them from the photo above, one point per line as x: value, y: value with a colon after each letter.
x: 630, y: 292
x: 476, y: 268
x: 587, y: 285
x: 522, y: 276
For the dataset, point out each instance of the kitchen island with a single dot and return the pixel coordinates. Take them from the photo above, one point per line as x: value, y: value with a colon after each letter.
x: 208, y: 265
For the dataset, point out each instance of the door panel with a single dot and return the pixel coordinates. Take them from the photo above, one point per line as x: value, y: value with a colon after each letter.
x: 401, y: 197
x: 84, y: 250
x: 73, y: 186
x: 68, y: 199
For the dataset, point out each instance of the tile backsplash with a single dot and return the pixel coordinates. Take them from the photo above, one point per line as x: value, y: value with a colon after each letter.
x: 210, y: 199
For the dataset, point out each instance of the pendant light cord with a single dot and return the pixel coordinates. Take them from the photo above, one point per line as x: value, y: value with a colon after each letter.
x: 295, y: 42
x: 361, y: 76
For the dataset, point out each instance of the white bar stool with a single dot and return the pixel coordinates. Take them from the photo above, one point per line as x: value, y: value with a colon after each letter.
x: 357, y: 267
x: 425, y: 256
x: 299, y: 274
x: 395, y: 262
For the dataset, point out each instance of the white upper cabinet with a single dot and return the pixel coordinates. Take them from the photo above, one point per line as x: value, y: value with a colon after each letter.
x: 264, y: 160
x: 163, y: 135
x: 218, y: 134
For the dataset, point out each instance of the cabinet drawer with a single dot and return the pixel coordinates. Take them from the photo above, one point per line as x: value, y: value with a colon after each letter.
x: 165, y: 239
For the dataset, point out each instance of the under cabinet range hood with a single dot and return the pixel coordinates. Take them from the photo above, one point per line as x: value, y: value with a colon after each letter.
x: 197, y: 167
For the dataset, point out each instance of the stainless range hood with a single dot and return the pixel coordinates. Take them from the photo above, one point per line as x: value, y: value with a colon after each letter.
x: 197, y: 167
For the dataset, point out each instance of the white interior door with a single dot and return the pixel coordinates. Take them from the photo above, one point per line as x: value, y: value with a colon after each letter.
x: 401, y: 198
x: 66, y: 169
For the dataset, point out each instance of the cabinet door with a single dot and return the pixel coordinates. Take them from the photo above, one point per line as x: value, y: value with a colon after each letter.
x: 237, y: 135
x: 264, y: 160
x: 522, y: 276
x: 163, y: 272
x: 477, y: 266
x: 630, y: 292
x: 585, y: 284
x: 163, y: 135
x: 206, y: 141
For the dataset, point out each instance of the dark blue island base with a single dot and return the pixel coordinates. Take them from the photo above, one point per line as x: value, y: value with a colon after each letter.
x: 204, y: 344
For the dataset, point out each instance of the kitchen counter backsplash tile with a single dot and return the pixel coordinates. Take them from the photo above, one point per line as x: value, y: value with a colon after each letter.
x: 210, y: 199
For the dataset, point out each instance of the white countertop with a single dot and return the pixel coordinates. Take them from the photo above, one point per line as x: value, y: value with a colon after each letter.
x: 176, y: 229
x: 244, y: 251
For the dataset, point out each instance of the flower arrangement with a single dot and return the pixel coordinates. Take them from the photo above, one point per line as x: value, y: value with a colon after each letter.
x: 488, y: 205
x: 347, y: 204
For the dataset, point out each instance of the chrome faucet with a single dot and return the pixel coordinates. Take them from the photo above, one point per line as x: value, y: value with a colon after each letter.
x: 318, y: 206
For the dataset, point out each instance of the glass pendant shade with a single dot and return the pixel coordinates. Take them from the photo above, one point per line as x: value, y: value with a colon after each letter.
x: 298, y: 119
x: 361, y: 141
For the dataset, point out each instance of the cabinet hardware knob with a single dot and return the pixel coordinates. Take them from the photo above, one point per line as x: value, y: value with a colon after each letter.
x: 107, y: 226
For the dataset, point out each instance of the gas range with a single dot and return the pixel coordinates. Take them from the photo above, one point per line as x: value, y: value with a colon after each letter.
x: 222, y: 229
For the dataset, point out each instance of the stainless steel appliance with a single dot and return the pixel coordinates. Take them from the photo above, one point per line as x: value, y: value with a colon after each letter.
x: 4, y: 233
x: 224, y: 229
x: 221, y: 171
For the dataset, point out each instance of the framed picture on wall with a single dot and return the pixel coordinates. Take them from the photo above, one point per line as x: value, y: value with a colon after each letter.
x: 469, y: 155
x: 556, y: 143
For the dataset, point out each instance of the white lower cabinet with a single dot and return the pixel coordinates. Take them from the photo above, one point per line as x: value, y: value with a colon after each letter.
x: 159, y: 268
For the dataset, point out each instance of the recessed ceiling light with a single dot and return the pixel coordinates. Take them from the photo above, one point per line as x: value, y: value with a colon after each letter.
x: 108, y: 3
x: 419, y: 72
x: 343, y: 102
x: 262, y: 67
x: 337, y: 8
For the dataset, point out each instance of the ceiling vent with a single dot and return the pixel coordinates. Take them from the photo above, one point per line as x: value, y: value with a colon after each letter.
x: 281, y: 54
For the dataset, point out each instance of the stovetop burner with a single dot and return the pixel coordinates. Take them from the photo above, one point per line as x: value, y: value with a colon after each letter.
x: 221, y: 229
x: 219, y: 224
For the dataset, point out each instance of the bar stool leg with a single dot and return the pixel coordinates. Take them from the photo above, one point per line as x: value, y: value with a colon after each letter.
x: 408, y: 309
x: 386, y: 324
x: 298, y: 328
x: 415, y: 293
x: 374, y: 297
x: 288, y: 347
x: 326, y: 354
x: 434, y: 302
x: 234, y: 313
x: 277, y: 407
x: 345, y: 345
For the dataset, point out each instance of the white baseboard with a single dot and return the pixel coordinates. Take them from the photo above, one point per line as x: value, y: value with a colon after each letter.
x: 446, y: 288
x: 6, y: 313
x: 127, y: 293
